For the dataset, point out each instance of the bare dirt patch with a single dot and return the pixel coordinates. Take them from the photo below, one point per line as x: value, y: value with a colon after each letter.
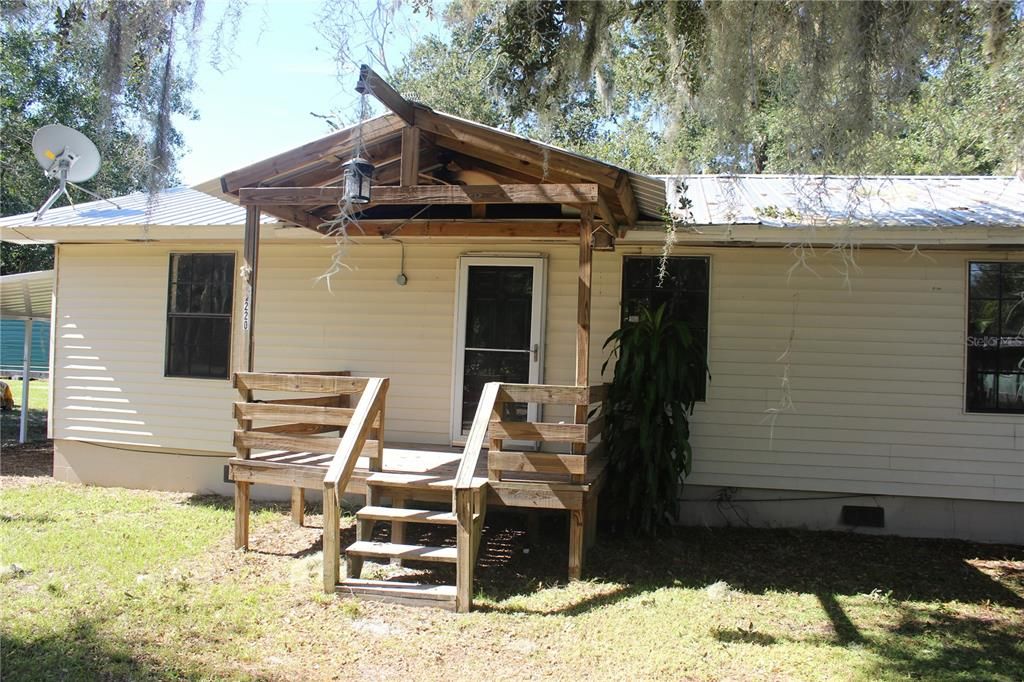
x: 27, y: 459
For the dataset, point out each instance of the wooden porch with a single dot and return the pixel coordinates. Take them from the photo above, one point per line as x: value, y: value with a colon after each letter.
x: 427, y: 173
x: 405, y: 484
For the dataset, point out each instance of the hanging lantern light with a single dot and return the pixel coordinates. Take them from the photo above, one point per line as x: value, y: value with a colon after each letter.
x: 358, y: 174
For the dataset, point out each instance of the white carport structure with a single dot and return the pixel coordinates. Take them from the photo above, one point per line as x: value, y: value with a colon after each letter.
x: 27, y: 296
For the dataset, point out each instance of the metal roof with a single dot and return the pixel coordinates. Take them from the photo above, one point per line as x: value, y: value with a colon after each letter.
x: 176, y: 206
x: 871, y: 201
x: 769, y: 200
x: 26, y: 295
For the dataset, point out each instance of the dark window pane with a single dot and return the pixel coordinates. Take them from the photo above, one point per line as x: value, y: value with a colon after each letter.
x: 181, y: 267
x: 199, y: 315
x: 179, y: 297
x: 684, y: 291
x: 1011, y: 355
x: 684, y: 274
x: 1012, y: 317
x: 995, y: 337
x: 631, y: 306
x: 499, y: 307
x: 985, y: 280
x: 1013, y: 280
x: 1011, y: 392
x: 482, y: 367
x: 984, y: 317
x: 636, y: 273
x: 981, y: 392
x: 984, y: 355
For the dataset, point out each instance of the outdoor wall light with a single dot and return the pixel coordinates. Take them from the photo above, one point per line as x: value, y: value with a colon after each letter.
x: 358, y: 174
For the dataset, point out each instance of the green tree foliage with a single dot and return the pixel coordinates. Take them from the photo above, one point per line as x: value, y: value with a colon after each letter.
x: 52, y: 71
x: 463, y: 76
x: 659, y: 369
x: 830, y: 86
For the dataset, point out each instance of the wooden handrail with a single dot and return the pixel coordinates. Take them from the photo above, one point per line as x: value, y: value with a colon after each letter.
x: 548, y: 393
x: 477, y: 434
x: 368, y: 415
x: 362, y: 420
x: 309, y: 383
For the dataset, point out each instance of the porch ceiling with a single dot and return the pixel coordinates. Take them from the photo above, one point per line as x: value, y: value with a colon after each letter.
x: 450, y: 151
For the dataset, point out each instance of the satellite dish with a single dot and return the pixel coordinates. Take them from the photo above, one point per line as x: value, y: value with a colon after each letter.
x: 54, y: 145
x: 67, y: 156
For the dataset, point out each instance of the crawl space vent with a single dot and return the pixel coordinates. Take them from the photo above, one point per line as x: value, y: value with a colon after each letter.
x: 865, y: 517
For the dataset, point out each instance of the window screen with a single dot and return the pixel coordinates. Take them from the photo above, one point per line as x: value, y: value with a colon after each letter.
x: 995, y: 338
x: 684, y: 291
x: 199, y: 315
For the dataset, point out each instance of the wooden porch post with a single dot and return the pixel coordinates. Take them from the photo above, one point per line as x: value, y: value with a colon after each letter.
x: 244, y: 360
x: 577, y: 520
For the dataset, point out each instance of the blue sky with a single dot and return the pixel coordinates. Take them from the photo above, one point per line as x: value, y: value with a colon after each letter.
x: 281, y: 69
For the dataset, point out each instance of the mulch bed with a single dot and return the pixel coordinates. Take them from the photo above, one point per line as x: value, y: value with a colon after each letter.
x: 28, y: 459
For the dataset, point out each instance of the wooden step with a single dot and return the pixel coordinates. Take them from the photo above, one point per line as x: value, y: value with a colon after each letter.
x: 410, y: 515
x: 416, y: 481
x: 410, y: 594
x: 392, y: 479
x: 390, y: 550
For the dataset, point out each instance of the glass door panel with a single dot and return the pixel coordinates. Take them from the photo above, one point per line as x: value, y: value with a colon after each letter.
x: 499, y: 332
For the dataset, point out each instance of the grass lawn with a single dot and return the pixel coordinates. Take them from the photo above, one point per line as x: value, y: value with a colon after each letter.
x: 120, y: 584
x: 38, y: 395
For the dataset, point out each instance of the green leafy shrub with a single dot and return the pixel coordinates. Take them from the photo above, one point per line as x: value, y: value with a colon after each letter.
x: 659, y: 370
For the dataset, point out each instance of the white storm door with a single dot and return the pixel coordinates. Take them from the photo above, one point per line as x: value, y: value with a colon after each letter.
x: 499, y: 333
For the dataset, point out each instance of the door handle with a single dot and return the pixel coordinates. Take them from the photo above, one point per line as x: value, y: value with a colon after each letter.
x: 536, y: 351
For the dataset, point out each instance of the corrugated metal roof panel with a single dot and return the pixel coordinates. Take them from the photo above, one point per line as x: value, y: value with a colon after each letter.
x: 650, y: 194
x: 176, y: 206
x: 770, y: 200
x: 27, y: 294
x: 869, y: 201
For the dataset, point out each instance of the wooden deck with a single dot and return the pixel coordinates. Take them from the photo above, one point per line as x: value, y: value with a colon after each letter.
x: 291, y: 442
x: 428, y: 469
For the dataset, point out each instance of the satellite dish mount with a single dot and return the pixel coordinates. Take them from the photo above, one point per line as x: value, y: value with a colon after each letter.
x: 68, y: 157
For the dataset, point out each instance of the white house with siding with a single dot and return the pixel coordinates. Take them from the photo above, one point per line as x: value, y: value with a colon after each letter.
x: 863, y: 338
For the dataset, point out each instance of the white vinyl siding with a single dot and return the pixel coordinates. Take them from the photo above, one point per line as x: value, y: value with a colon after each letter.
x: 372, y: 326
x: 876, y: 370
x: 876, y: 377
x: 110, y: 331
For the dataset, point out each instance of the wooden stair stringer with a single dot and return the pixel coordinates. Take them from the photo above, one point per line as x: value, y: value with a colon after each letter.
x: 405, y: 486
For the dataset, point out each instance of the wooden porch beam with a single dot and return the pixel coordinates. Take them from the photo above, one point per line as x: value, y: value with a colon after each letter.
x: 583, y: 307
x: 426, y: 194
x: 544, y: 228
x: 624, y: 193
x: 606, y: 214
x: 379, y: 150
x: 514, y: 150
x: 250, y: 269
x: 498, y: 164
x: 410, y: 163
x: 370, y: 83
x: 309, y: 153
x: 524, y: 228
x: 296, y: 216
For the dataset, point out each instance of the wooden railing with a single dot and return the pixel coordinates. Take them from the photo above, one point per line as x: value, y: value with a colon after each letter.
x: 298, y: 425
x: 469, y: 500
x: 369, y: 410
x: 503, y: 464
x: 469, y: 497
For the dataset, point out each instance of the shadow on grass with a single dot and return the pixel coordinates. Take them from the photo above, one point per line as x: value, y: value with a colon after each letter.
x: 932, y: 641
x: 935, y: 585
x: 935, y: 644
x: 82, y: 651
x: 10, y: 425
